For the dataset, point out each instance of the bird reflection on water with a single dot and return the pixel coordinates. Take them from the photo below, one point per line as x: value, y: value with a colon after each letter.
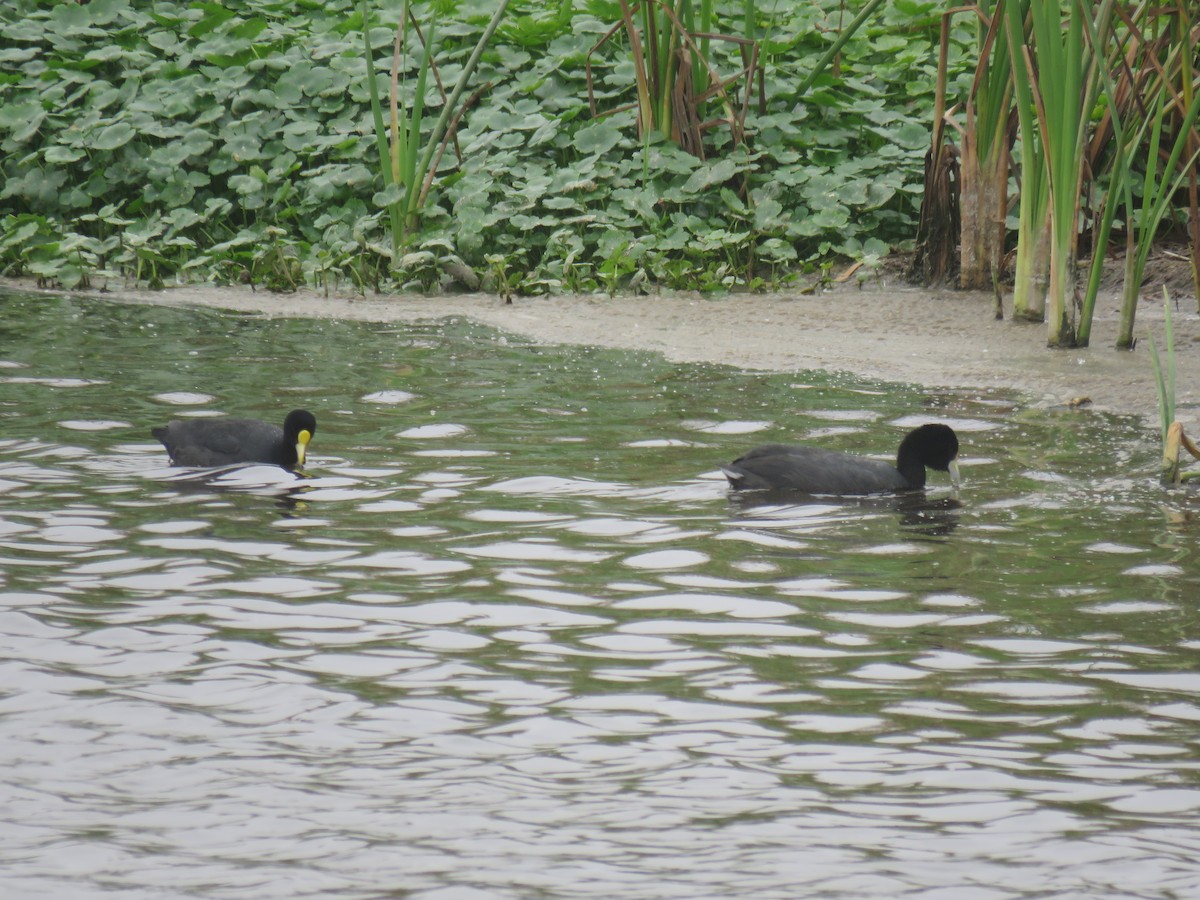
x: 286, y: 489
x: 915, y: 510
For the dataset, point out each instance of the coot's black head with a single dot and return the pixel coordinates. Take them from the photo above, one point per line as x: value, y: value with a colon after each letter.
x: 933, y: 446
x: 298, y: 429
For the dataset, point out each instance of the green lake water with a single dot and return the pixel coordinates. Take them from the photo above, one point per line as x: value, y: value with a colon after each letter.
x: 511, y: 638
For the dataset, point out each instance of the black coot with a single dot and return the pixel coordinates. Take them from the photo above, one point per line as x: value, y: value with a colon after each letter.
x: 788, y: 467
x: 226, y: 441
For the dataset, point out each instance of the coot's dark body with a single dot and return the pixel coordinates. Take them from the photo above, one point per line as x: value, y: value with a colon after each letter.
x: 228, y: 441
x: 790, y: 467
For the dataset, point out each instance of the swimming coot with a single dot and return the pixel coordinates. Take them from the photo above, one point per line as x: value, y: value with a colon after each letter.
x: 226, y: 440
x: 789, y: 467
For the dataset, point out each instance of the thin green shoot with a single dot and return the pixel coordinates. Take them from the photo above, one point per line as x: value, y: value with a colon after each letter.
x: 381, y: 132
x: 1164, y: 380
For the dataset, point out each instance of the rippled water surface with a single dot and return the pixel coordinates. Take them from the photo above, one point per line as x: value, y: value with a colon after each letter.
x: 511, y: 639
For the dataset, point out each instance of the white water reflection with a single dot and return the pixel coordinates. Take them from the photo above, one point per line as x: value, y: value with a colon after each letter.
x: 439, y: 430
x: 184, y: 398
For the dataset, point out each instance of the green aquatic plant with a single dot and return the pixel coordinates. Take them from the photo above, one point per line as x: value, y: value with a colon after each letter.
x: 676, y: 73
x: 985, y: 156
x: 1173, y: 436
x: 408, y: 159
x: 1106, y: 101
x: 1153, y: 87
x: 1062, y: 70
x: 1031, y: 270
x: 1156, y: 195
x: 1164, y: 378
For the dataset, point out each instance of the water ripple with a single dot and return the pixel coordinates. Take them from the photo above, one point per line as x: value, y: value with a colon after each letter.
x: 549, y: 656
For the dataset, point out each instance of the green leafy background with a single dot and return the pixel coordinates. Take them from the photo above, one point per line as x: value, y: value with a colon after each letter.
x: 232, y: 141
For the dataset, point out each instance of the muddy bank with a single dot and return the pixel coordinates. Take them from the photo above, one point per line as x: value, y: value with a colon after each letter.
x: 938, y: 339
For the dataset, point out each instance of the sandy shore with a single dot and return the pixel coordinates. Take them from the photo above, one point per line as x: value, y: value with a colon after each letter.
x: 938, y: 339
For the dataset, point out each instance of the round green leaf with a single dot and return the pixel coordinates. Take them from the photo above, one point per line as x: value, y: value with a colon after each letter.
x: 113, y: 136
